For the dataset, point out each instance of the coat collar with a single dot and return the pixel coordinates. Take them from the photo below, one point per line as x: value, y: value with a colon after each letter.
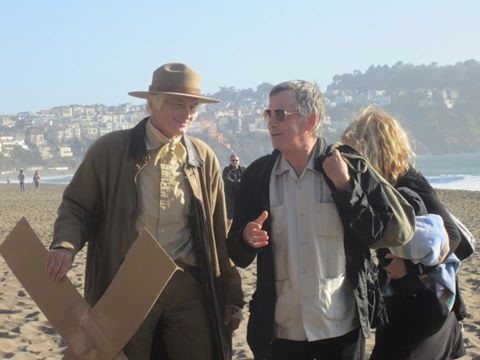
x: 138, y: 148
x: 321, y: 151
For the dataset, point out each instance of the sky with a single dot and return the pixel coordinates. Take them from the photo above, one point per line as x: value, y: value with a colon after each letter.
x: 93, y: 51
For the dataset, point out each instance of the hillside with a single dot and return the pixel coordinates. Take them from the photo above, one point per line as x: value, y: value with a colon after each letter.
x: 438, y: 106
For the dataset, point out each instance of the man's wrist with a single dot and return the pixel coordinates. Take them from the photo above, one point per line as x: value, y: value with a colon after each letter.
x: 346, y: 186
x: 59, y: 247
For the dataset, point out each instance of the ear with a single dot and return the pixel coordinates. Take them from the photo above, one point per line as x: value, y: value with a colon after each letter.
x: 149, y: 104
x: 311, y: 121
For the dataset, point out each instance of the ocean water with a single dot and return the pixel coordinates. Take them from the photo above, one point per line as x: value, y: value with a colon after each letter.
x: 58, y: 180
x: 451, y: 171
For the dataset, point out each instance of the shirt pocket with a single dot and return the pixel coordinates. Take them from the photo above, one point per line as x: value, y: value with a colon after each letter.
x: 335, y: 299
x: 280, y: 241
x: 329, y: 233
x: 284, y: 303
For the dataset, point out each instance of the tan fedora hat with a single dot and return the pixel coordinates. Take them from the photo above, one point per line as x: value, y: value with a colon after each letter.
x: 175, y: 79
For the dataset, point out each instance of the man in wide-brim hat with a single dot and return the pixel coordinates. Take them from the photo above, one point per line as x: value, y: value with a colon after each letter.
x: 154, y: 176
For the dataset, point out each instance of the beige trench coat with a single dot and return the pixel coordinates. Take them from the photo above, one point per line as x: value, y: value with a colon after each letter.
x: 100, y: 207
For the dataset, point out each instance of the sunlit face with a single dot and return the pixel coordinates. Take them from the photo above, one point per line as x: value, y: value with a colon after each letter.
x: 174, y: 116
x: 287, y: 135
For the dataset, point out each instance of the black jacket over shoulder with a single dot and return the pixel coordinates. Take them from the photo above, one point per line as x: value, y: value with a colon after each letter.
x: 364, y: 213
x: 414, y: 180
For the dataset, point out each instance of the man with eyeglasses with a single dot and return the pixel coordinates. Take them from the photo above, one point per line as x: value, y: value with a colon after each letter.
x: 156, y: 177
x: 305, y: 218
x: 232, y: 175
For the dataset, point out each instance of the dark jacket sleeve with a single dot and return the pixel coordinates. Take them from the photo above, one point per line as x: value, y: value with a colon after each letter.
x: 247, y: 208
x: 417, y: 182
x: 363, y: 209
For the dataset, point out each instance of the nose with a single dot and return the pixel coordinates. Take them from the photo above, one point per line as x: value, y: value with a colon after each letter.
x: 185, y: 110
x: 272, y: 124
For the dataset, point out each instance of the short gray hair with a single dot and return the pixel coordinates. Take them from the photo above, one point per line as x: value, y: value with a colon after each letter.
x: 309, y: 98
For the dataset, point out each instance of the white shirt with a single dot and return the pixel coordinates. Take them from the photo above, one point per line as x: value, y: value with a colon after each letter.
x: 315, y: 301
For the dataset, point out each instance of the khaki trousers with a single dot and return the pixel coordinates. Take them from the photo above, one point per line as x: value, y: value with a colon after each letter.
x: 181, y: 315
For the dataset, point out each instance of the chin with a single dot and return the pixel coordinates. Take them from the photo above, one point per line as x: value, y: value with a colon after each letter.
x: 178, y: 132
x: 276, y: 144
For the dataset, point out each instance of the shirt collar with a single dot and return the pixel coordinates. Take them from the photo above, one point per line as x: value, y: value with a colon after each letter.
x: 283, y: 165
x: 154, y: 138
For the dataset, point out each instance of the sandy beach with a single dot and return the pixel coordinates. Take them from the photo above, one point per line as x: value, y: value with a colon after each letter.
x: 26, y: 334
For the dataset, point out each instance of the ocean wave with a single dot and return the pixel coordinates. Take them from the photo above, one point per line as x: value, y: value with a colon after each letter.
x: 455, y: 182
x: 59, y: 180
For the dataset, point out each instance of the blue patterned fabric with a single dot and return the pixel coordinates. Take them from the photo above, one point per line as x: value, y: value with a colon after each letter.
x: 428, y: 247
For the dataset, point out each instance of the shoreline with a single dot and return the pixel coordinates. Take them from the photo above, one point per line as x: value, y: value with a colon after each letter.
x: 44, y: 175
x: 440, y: 191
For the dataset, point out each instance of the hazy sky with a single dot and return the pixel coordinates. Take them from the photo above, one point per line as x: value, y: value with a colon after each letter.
x: 95, y: 51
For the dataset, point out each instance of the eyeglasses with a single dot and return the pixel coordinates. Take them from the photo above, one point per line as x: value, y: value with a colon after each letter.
x: 278, y: 114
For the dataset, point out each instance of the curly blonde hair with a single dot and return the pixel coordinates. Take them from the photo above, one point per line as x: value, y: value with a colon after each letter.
x: 380, y: 138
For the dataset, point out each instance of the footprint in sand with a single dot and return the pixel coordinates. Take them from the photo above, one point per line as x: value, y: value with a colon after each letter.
x: 9, y: 311
x: 16, y: 330
x: 7, y: 335
x: 46, y: 329
x: 33, y: 315
x: 475, y: 284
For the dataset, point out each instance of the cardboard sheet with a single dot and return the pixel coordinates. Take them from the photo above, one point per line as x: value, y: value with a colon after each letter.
x: 100, y: 332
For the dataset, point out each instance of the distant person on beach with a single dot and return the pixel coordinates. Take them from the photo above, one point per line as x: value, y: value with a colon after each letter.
x: 21, y: 180
x: 309, y: 223
x: 36, y: 179
x: 232, y: 175
x: 422, y: 325
x: 156, y: 177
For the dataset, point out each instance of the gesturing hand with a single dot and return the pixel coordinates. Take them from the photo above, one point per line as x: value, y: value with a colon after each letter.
x: 253, y: 233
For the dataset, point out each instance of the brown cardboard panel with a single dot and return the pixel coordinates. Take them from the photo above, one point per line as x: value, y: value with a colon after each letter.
x: 101, y: 332
x: 132, y: 293
x: 26, y: 256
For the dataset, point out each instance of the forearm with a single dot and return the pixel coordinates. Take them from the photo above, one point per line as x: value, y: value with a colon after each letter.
x: 238, y: 249
x: 73, y: 227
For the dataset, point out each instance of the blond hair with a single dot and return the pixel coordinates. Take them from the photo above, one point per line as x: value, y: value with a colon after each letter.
x: 380, y: 138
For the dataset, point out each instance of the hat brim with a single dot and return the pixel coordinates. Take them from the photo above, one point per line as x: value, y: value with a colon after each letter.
x: 201, y: 99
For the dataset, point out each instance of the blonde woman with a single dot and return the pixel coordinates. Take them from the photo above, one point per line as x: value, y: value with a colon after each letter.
x: 419, y: 326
